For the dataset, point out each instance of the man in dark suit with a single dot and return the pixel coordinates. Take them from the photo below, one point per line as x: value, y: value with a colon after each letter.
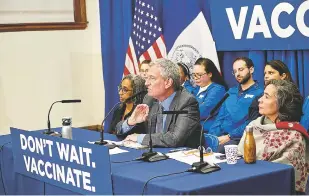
x: 163, y: 83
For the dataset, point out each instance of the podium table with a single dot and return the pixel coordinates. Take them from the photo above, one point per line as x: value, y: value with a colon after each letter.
x: 130, y: 177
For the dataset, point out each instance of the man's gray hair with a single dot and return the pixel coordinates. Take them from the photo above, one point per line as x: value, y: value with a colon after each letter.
x: 168, y: 70
x: 289, y: 100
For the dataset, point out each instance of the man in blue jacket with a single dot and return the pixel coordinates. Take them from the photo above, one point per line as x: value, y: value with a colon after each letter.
x: 233, y: 115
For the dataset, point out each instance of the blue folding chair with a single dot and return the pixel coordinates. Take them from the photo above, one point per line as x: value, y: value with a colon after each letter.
x: 305, y: 118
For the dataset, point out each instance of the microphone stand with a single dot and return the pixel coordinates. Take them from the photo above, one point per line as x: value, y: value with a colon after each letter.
x: 152, y: 156
x: 101, y: 141
x: 204, y: 167
x: 201, y: 167
x: 49, y: 131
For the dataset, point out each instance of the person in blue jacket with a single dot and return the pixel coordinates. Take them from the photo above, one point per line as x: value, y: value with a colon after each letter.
x: 233, y: 115
x: 210, y: 88
x: 305, y: 118
x: 185, y: 77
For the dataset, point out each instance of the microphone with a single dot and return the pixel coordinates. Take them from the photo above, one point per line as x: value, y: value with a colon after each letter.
x: 201, y: 167
x: 71, y: 101
x: 212, y: 112
x: 134, y: 95
x: 174, y: 112
x: 101, y: 141
x: 152, y: 156
x: 49, y: 131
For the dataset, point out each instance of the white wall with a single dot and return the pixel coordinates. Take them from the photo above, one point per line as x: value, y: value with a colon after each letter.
x: 38, y: 68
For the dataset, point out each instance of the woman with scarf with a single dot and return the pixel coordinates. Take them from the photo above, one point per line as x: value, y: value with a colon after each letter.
x: 278, y: 135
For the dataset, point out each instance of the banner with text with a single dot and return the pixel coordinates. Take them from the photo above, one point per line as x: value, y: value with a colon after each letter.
x: 260, y: 25
x: 80, y: 167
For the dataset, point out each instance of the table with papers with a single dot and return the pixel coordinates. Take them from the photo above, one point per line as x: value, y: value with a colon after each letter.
x: 130, y: 177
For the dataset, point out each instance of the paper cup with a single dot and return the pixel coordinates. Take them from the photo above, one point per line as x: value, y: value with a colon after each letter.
x: 231, y: 154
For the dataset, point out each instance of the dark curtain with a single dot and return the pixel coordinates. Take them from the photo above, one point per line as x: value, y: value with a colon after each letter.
x: 115, y: 22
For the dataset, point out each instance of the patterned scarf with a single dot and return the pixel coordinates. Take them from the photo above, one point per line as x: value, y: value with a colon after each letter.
x: 283, y: 142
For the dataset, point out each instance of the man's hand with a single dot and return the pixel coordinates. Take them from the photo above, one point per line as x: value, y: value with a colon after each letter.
x: 132, y: 138
x: 223, y: 139
x: 139, y: 115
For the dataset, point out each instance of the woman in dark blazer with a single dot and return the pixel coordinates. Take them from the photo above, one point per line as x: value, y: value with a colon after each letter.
x: 129, y: 85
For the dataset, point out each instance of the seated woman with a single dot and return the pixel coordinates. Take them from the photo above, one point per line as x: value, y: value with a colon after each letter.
x: 278, y: 135
x: 185, y: 77
x: 274, y: 70
x: 210, y: 88
x: 129, y: 85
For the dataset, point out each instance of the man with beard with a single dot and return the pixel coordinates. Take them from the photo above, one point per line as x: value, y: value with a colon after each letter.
x: 233, y: 115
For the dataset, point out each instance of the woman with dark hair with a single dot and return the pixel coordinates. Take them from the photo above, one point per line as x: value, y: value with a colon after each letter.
x: 185, y: 77
x: 211, y: 88
x: 129, y: 85
x: 278, y: 135
x: 274, y: 70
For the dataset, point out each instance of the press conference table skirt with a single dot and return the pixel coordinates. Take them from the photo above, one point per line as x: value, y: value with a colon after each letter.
x: 130, y: 177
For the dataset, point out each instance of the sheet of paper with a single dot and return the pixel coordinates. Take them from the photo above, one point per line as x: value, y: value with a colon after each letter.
x: 127, y: 144
x: 190, y: 157
x: 116, y: 151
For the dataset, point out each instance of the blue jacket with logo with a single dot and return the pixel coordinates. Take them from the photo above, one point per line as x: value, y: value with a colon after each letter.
x: 233, y: 114
x: 207, y: 100
x: 305, y: 118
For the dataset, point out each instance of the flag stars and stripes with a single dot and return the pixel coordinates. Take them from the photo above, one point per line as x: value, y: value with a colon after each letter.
x: 146, y: 41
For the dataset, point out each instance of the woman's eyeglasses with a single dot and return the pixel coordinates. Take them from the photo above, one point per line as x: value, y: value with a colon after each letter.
x: 197, y: 75
x: 124, y: 90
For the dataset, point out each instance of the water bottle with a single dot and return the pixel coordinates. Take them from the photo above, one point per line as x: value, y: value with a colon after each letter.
x: 249, y: 146
x: 66, y: 128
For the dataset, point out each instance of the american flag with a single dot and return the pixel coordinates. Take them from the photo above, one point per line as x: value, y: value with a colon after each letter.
x: 146, y: 41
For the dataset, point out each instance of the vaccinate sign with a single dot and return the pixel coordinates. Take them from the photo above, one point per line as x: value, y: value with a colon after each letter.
x: 260, y: 25
x: 77, y: 166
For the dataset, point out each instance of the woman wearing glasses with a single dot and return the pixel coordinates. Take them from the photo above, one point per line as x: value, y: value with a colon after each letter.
x: 129, y: 85
x: 211, y: 88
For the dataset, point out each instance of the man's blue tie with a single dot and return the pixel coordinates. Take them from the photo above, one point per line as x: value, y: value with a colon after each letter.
x: 159, y: 125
